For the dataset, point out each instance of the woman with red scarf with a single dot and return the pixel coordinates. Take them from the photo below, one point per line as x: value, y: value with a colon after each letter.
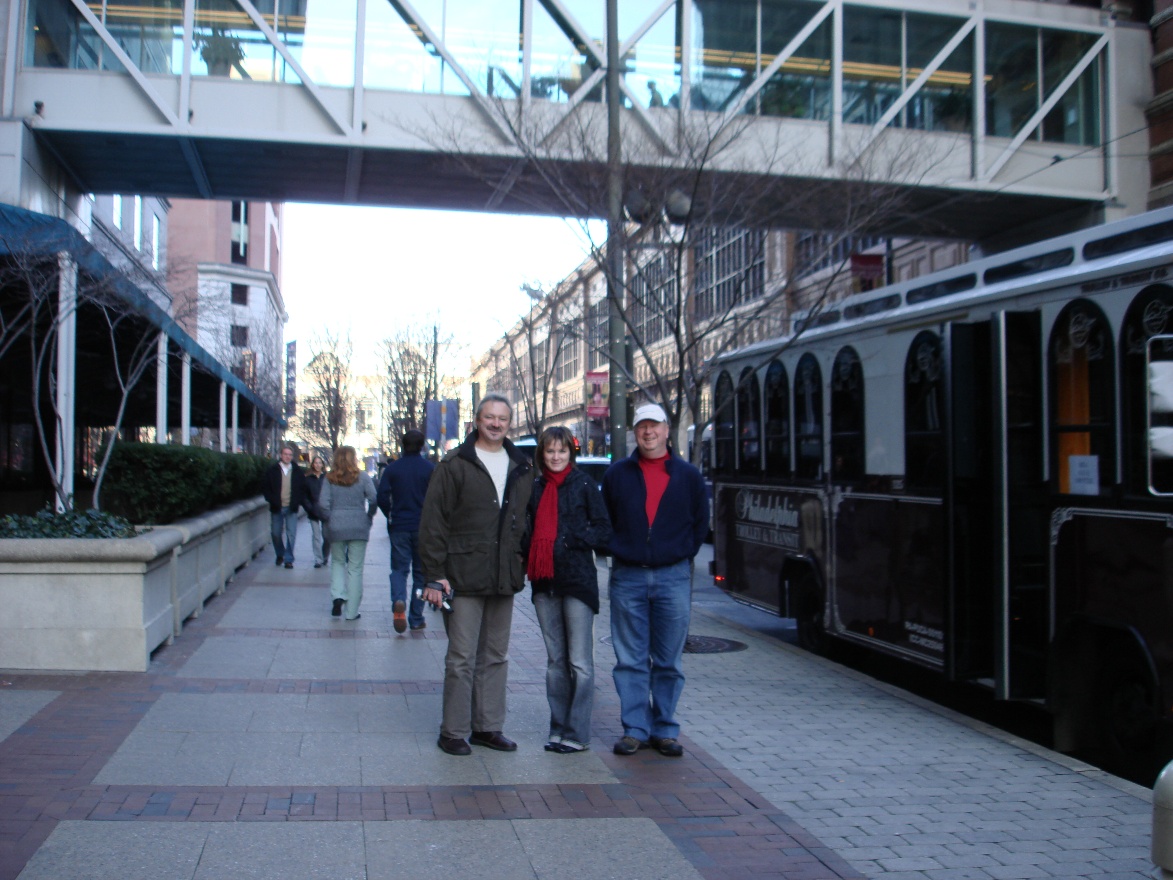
x: 565, y: 522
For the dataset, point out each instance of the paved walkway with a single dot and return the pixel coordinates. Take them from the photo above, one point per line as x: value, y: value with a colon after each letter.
x: 271, y: 740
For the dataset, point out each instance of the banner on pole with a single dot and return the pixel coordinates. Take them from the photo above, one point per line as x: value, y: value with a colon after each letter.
x: 443, y: 417
x: 598, y: 391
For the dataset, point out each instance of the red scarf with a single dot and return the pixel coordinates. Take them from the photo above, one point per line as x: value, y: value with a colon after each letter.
x: 541, y: 546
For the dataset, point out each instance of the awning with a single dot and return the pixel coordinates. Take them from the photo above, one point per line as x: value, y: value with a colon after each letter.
x: 29, y: 233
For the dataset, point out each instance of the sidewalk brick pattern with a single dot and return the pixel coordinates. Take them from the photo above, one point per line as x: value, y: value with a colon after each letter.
x: 47, y: 768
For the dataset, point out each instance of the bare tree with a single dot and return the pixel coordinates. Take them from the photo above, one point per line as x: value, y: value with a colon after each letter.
x: 415, y: 363
x: 326, y: 407
x: 534, y: 348
x: 44, y: 294
x: 698, y: 187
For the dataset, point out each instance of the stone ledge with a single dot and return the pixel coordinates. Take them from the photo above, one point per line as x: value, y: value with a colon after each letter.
x: 104, y: 604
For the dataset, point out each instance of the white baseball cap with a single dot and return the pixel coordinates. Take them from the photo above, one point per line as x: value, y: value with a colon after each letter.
x: 649, y: 412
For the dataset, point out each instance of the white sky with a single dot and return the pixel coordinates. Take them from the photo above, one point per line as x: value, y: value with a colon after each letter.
x: 371, y: 271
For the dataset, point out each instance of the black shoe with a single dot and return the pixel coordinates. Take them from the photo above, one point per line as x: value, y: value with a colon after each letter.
x: 628, y: 745
x: 278, y: 562
x: 416, y: 627
x: 317, y: 565
x: 493, y: 739
x: 453, y: 745
x: 560, y: 748
x: 356, y: 617
x: 289, y: 565
x: 666, y: 746
x: 336, y: 610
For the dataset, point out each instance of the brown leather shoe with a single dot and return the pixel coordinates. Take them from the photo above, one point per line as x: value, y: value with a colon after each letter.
x: 399, y: 616
x: 493, y: 739
x: 453, y: 745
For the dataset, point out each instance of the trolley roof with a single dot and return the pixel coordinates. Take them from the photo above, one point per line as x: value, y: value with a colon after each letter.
x: 1133, y: 243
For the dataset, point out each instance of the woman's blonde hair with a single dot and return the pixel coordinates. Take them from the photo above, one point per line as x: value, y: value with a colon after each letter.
x: 345, y: 470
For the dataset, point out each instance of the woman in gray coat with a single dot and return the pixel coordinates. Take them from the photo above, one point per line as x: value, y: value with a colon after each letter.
x: 348, y: 506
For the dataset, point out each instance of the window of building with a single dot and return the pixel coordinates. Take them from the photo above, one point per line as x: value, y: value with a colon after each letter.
x: 155, y: 242
x: 653, y: 300
x: 116, y: 211
x: 138, y: 223
x: 723, y: 433
x: 1148, y: 315
x: 239, y: 336
x: 1083, y: 400
x: 360, y: 417
x: 749, y: 423
x: 568, y: 360
x: 808, y: 415
x: 730, y: 269
x: 239, y: 248
x: 924, y: 406
x: 240, y: 294
x: 597, y: 316
x: 814, y: 251
x: 777, y: 395
x: 847, y: 417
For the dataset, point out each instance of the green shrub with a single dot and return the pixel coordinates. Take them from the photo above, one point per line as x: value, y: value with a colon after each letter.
x: 72, y: 524
x: 148, y: 483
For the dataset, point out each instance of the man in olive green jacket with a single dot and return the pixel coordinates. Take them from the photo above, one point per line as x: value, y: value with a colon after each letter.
x: 470, y: 544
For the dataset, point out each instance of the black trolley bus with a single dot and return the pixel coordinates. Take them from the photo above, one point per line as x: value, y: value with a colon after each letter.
x: 973, y: 471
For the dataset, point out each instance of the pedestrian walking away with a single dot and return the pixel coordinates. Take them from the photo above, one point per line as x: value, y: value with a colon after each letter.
x: 566, y: 521
x: 313, y: 494
x: 283, y: 485
x: 348, y: 507
x: 470, y: 542
x: 402, y: 489
x: 659, y: 510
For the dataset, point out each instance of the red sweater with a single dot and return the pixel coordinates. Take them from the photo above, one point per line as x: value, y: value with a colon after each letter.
x: 656, y: 479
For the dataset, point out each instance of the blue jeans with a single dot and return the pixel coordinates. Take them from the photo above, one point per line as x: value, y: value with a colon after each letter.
x: 568, y: 628
x: 348, y: 557
x: 405, y: 554
x: 650, y: 608
x: 284, y: 531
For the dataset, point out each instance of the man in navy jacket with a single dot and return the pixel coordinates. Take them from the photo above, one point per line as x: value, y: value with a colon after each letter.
x: 659, y: 509
x: 401, y: 498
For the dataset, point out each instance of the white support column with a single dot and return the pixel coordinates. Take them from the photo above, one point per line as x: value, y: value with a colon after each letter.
x: 836, y: 120
x: 235, y: 420
x: 66, y: 374
x: 223, y: 416
x: 185, y: 401
x: 161, y: 391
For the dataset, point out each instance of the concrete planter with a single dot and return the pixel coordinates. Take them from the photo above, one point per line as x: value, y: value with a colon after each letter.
x: 105, y: 604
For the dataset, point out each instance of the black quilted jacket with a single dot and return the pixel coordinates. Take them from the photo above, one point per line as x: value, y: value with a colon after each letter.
x: 583, y: 526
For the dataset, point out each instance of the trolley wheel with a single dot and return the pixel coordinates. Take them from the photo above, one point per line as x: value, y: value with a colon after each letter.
x: 812, y: 634
x: 1129, y: 723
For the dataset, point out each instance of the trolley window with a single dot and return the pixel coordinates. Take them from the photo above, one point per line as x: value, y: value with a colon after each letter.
x: 924, y: 403
x: 808, y: 413
x: 1082, y: 400
x: 1031, y: 265
x: 749, y: 423
x: 1128, y: 241
x: 1150, y: 314
x: 723, y: 424
x: 847, y: 418
x: 777, y: 420
x: 948, y: 287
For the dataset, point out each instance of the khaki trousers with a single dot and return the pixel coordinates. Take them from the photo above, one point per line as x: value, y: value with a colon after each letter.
x: 477, y: 665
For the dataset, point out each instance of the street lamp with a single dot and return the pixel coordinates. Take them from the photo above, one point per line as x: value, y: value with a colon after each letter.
x: 616, y: 332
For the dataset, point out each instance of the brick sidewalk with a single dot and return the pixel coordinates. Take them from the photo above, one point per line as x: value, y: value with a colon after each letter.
x: 793, y: 769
